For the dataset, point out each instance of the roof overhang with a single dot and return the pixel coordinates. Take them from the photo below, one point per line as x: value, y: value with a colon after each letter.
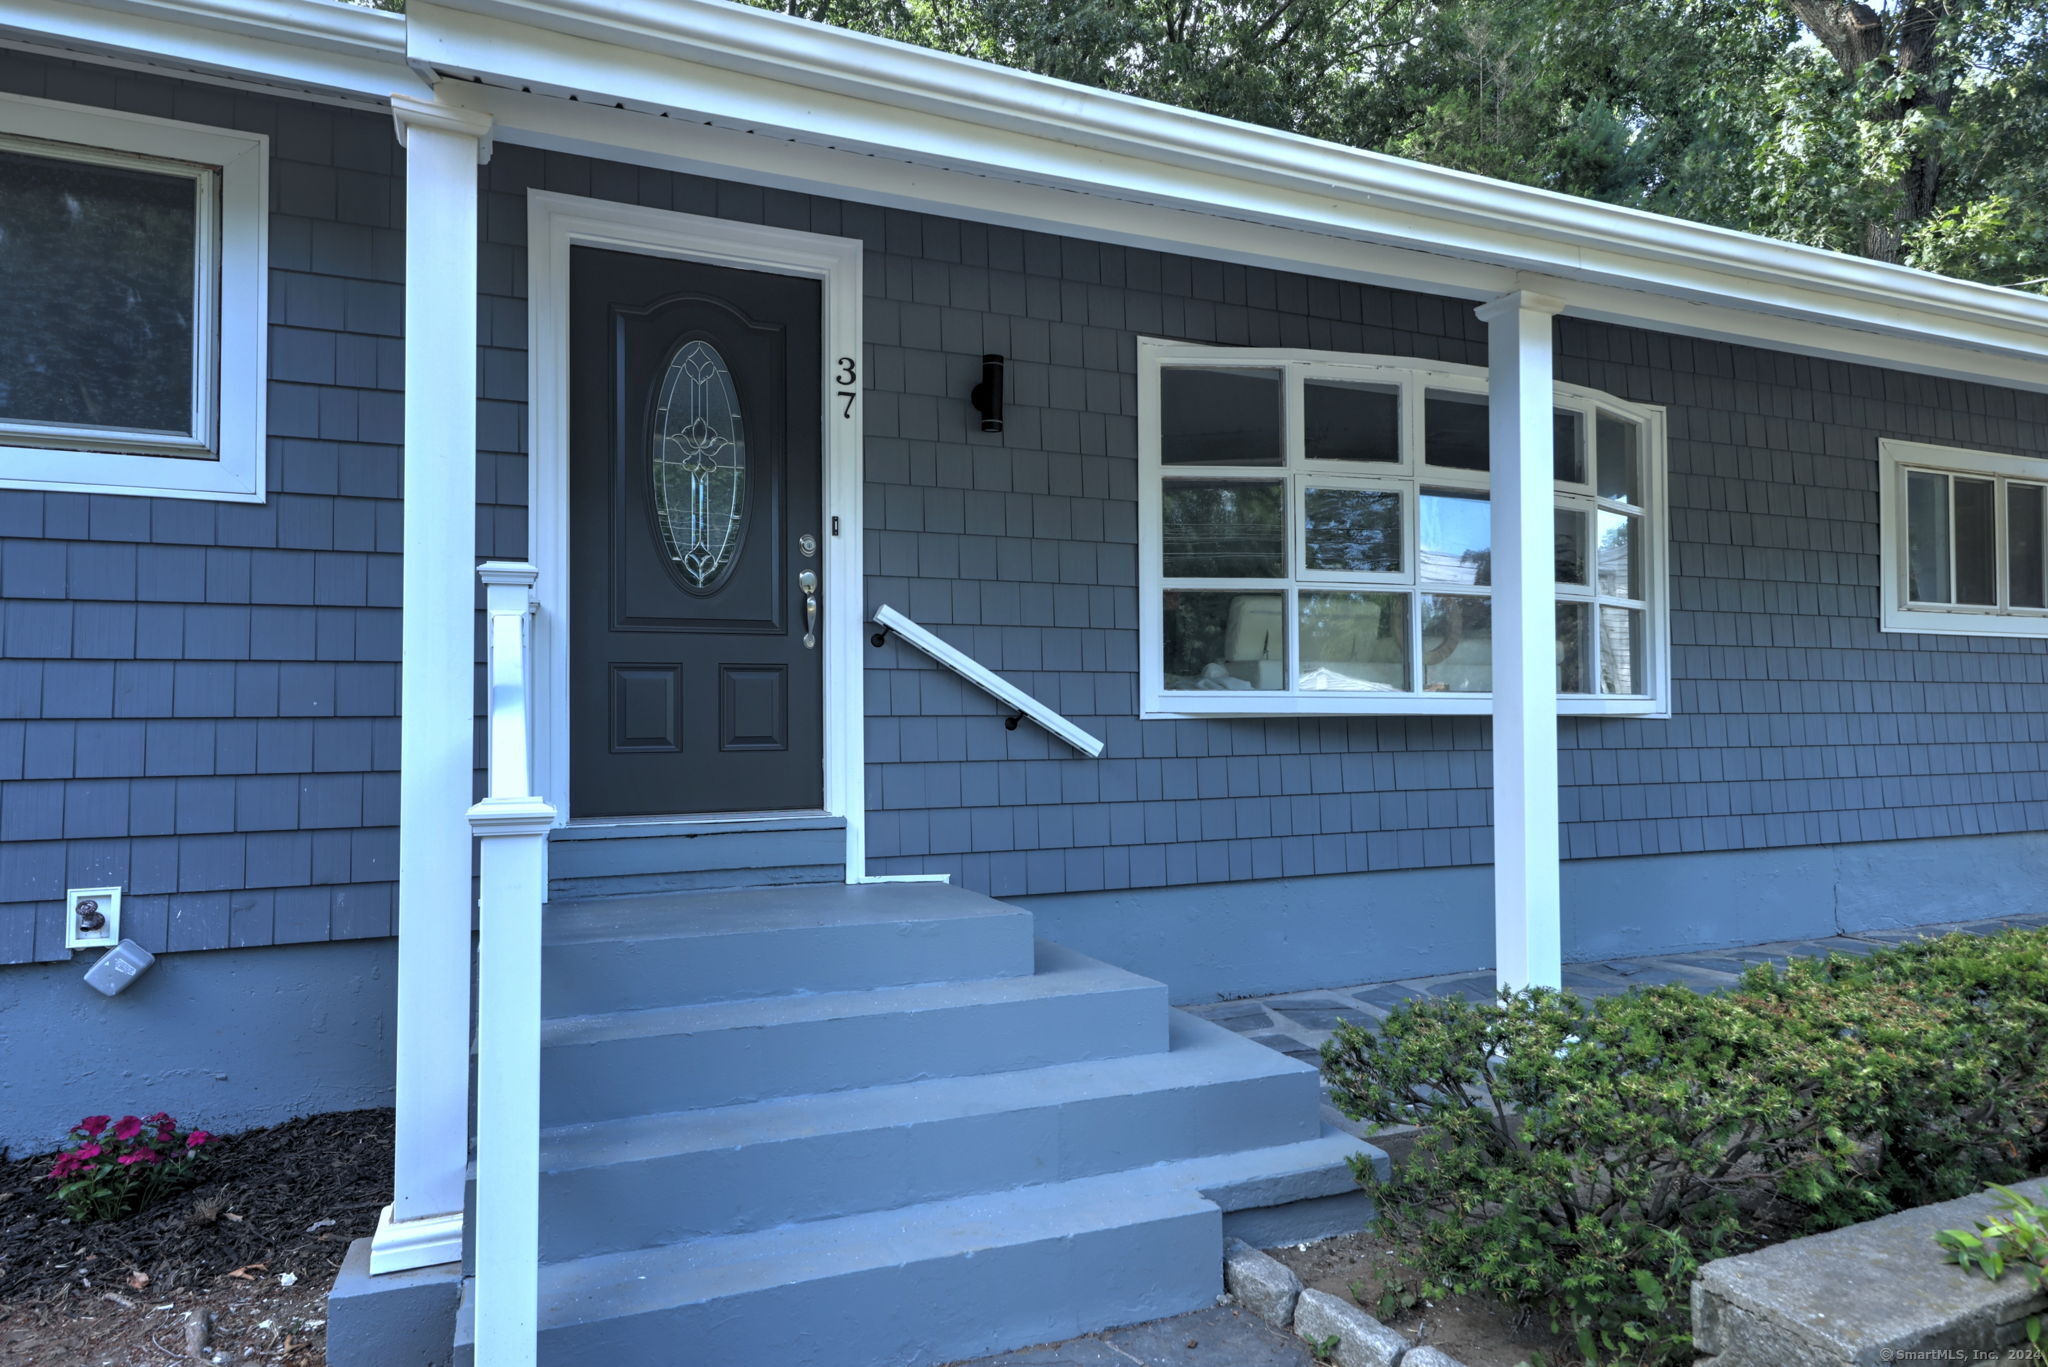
x: 757, y: 96
x: 309, y: 46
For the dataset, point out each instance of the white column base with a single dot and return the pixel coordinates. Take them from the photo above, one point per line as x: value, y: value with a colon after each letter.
x: 402, y: 1245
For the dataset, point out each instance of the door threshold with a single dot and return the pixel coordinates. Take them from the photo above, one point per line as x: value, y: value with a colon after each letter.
x: 697, y: 823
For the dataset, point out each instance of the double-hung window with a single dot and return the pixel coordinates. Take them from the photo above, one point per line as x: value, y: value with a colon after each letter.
x: 1316, y: 538
x: 131, y: 303
x: 1965, y: 541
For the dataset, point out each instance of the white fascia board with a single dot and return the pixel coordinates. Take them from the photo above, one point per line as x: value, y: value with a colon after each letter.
x: 751, y: 68
x: 315, y: 44
x: 558, y: 125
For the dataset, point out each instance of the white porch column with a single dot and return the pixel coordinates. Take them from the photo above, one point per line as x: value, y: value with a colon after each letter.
x: 443, y: 147
x: 1527, y: 947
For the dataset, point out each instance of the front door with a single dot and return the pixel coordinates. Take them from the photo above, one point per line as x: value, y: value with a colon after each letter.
x: 694, y: 508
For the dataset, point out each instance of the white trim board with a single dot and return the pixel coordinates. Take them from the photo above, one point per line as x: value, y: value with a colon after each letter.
x: 555, y: 223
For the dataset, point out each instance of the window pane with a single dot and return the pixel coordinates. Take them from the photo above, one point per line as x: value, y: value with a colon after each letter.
x: 1355, y: 530
x: 1621, y: 554
x: 1976, y: 542
x: 1225, y: 641
x: 1352, y: 421
x: 1620, y: 477
x: 1574, y: 646
x: 96, y: 320
x: 1219, y: 417
x: 1352, y: 642
x: 1927, y: 537
x: 2023, y: 525
x: 1621, y: 651
x: 1568, y: 443
x: 1220, y: 530
x: 1457, y: 643
x: 1454, y: 430
x: 1571, y: 546
x: 1457, y: 537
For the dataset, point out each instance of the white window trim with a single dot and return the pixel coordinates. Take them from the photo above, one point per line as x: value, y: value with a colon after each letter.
x: 1156, y: 702
x: 225, y: 460
x: 1895, y: 458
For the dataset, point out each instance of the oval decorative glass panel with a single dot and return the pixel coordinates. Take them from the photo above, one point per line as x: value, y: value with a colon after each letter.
x: 699, y: 464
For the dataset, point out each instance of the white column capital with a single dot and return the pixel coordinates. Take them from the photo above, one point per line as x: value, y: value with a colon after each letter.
x: 1519, y: 301
x: 409, y: 112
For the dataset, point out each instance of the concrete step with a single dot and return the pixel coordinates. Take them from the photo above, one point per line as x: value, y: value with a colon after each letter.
x: 629, y: 953
x: 903, y: 1288
x: 634, y: 857
x: 649, y: 1062
x: 658, y: 1179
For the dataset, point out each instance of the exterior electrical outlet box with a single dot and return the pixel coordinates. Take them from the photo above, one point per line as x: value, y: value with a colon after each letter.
x: 92, y: 918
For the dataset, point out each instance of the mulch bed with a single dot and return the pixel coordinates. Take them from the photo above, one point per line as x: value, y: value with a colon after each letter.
x: 243, y: 1258
x: 287, y: 1199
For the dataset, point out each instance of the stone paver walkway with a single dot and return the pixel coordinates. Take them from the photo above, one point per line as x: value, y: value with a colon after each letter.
x: 1222, y: 1336
x: 1297, y: 1023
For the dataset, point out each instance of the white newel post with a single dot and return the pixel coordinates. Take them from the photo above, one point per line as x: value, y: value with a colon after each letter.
x: 1527, y: 943
x: 512, y: 825
x: 444, y: 146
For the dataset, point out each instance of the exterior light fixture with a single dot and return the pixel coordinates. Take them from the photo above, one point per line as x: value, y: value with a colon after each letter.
x: 987, y: 396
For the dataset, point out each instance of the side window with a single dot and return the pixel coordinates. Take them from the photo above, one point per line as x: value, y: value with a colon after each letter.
x: 131, y: 331
x: 1963, y: 545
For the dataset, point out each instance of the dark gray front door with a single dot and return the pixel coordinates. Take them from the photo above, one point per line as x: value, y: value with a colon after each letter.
x: 694, y: 501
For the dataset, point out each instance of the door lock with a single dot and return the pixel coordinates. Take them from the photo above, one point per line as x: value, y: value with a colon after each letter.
x: 808, y: 582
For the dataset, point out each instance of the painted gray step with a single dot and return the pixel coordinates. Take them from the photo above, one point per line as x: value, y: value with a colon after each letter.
x: 645, y: 857
x: 658, y: 1179
x: 628, y: 1063
x: 625, y: 953
x: 903, y: 1288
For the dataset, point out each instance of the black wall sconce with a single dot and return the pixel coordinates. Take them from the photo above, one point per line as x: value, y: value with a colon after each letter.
x: 987, y: 396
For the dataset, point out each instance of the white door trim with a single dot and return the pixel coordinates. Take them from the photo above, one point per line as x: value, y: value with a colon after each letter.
x: 557, y: 222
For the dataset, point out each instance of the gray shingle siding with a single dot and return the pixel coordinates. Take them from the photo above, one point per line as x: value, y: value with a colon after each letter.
x: 198, y: 701
x: 1798, y: 722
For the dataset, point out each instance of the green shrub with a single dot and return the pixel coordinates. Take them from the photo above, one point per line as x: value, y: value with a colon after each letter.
x: 1585, y: 1157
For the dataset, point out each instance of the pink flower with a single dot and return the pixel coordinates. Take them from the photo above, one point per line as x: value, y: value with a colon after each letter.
x: 89, y: 1151
x: 66, y: 1165
x: 161, y: 1120
x: 127, y: 1127
x: 196, y: 1138
x: 142, y: 1154
x: 93, y: 1124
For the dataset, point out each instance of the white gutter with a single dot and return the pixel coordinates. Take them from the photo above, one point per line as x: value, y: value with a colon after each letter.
x: 318, y: 45
x: 1462, y: 214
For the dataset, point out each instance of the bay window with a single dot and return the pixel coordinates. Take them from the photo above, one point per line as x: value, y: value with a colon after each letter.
x: 1316, y: 538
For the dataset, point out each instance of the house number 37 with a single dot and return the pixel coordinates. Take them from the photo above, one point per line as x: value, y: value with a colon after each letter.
x: 845, y: 376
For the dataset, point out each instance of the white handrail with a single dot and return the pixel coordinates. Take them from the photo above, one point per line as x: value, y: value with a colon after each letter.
x: 512, y: 825
x: 987, y: 680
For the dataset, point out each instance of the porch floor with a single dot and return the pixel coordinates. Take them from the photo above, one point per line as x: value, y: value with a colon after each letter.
x: 1297, y: 1023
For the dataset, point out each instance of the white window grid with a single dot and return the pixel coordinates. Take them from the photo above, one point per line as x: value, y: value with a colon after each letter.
x: 1411, y: 475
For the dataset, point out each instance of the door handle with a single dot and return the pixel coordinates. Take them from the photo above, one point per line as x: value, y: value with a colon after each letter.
x: 808, y: 582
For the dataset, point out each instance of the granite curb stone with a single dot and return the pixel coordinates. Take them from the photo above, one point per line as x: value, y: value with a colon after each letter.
x: 1262, y: 1284
x: 1362, y: 1341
